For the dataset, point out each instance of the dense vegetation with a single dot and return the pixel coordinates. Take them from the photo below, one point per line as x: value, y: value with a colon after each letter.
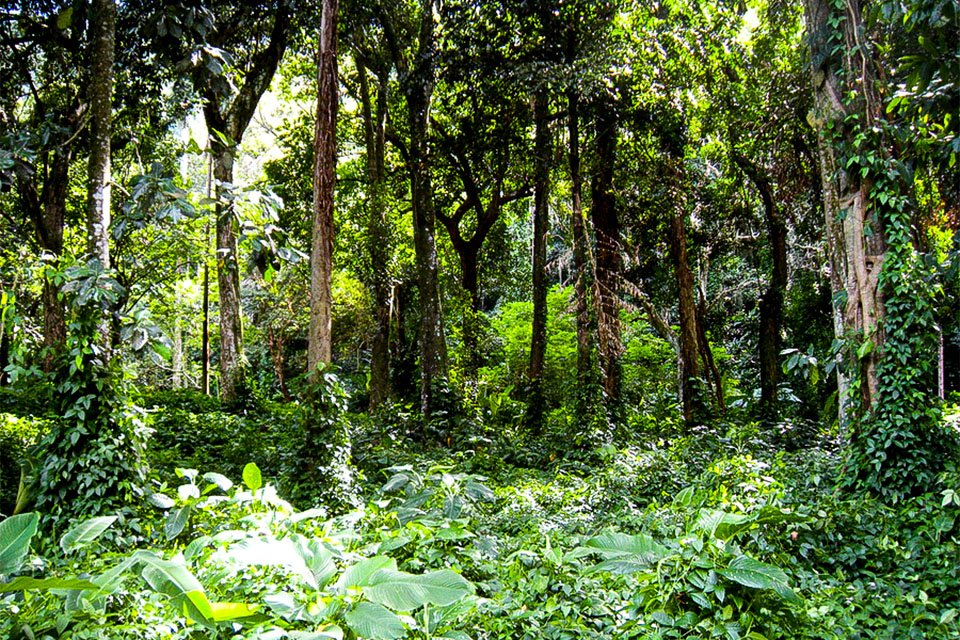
x: 513, y: 319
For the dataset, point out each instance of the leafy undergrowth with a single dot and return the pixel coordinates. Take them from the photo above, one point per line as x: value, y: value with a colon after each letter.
x: 710, y: 536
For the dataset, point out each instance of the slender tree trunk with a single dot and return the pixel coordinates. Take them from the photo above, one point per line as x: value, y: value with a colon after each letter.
x: 581, y: 257
x: 541, y: 226
x: 103, y: 25
x: 324, y: 181
x: 771, y: 302
x: 231, y: 120
x: 688, y: 364
x: 606, y: 226
x: 855, y: 256
x: 378, y: 247
x: 177, y: 359
x: 232, y: 372
x: 418, y: 86
x: 100, y: 93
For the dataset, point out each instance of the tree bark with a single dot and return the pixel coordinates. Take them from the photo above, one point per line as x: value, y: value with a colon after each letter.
x: 103, y: 29
x: 320, y: 348
x: 606, y: 225
x: 47, y: 212
x: 771, y: 302
x: 231, y: 120
x: 688, y: 365
x: 541, y: 226
x: 581, y: 255
x: 378, y: 247
x: 418, y: 85
x: 855, y: 256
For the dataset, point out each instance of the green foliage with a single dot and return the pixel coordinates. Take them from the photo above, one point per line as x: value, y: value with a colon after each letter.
x: 251, y: 566
x: 17, y: 436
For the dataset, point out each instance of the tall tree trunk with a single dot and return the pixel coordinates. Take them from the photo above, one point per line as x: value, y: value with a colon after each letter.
x: 103, y: 28
x: 418, y: 84
x: 581, y: 256
x: 606, y: 225
x: 855, y: 237
x: 324, y: 182
x: 688, y: 365
x: 541, y: 225
x: 232, y: 372
x: 771, y: 302
x: 378, y: 248
x: 47, y: 211
x: 231, y: 120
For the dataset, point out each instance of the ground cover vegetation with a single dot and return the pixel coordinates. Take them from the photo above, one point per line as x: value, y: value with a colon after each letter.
x: 516, y: 319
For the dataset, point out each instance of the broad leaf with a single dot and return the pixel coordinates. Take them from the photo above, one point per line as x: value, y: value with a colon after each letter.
x: 359, y: 574
x: 15, y: 535
x: 610, y: 545
x: 44, y: 584
x: 226, y: 611
x: 176, y: 521
x: 407, y: 591
x: 252, y: 477
x: 371, y: 620
x: 174, y: 579
x: 758, y: 575
x: 85, y: 533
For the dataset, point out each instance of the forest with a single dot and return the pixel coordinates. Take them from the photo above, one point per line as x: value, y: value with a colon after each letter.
x: 529, y: 319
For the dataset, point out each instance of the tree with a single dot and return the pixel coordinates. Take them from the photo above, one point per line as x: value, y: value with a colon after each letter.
x: 102, y: 35
x: 415, y: 63
x: 259, y: 51
x: 319, y: 349
x: 541, y: 221
x: 885, y: 289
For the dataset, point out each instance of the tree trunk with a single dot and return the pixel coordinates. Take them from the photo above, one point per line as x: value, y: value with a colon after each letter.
x: 418, y: 84
x: 541, y: 225
x: 771, y: 302
x: 324, y: 181
x: 378, y: 248
x: 103, y: 25
x: 232, y: 372
x: 231, y: 120
x: 688, y: 365
x: 606, y: 225
x: 48, y: 213
x: 581, y: 256
x: 855, y: 255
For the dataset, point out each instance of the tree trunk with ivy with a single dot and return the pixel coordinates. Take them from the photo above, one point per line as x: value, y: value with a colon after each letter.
x: 885, y: 291
x: 538, y: 340
x: 845, y: 99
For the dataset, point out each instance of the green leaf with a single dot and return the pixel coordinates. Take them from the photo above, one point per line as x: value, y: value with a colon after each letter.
x: 359, y: 574
x: 221, y: 481
x: 371, y: 620
x: 173, y: 578
x: 176, y: 522
x: 758, y: 575
x: 85, y: 533
x: 226, y: 611
x: 252, y: 477
x: 639, y: 549
x: 723, y: 525
x: 45, y: 584
x: 406, y: 591
x: 15, y: 535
